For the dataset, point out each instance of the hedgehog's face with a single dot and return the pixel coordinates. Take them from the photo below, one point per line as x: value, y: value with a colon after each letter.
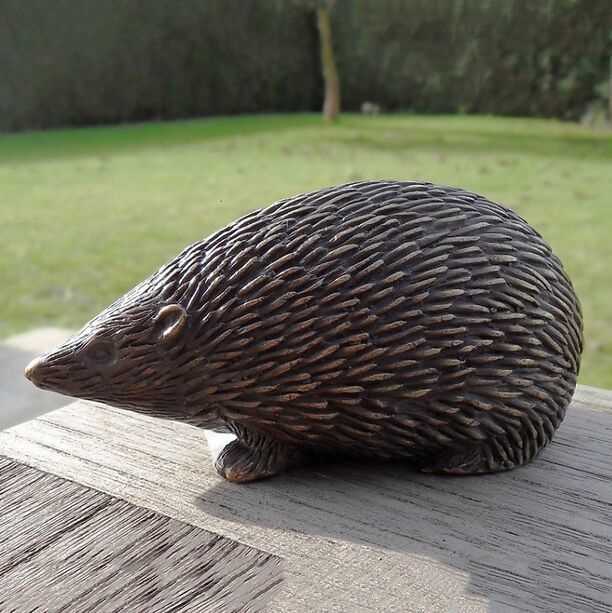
x: 129, y: 357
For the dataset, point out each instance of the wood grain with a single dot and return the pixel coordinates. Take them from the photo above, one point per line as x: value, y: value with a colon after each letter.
x: 66, y: 547
x: 370, y: 537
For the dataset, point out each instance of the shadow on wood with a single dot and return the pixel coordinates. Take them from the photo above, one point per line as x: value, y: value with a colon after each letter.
x: 538, y: 538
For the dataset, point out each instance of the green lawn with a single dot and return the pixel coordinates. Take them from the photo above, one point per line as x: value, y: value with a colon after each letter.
x: 87, y: 213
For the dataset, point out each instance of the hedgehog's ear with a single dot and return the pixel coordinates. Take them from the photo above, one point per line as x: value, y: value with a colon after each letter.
x: 169, y: 322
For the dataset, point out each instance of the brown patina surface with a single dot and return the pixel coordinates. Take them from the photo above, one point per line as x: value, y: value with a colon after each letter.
x: 377, y: 319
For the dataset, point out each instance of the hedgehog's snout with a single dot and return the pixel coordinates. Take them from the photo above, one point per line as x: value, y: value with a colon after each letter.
x: 69, y: 367
x: 33, y: 370
x: 44, y: 373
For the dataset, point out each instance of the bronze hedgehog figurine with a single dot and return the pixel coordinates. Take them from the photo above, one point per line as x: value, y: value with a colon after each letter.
x: 377, y: 319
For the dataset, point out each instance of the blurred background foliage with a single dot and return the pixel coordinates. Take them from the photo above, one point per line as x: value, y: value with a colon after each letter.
x: 89, y: 62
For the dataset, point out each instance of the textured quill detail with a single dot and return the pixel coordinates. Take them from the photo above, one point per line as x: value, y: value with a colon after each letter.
x: 379, y: 318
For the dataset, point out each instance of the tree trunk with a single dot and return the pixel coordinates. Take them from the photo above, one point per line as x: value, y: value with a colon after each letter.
x: 331, y: 104
x: 610, y: 93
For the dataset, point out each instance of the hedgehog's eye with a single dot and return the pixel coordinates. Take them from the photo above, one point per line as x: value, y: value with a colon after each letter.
x: 169, y: 322
x: 100, y: 353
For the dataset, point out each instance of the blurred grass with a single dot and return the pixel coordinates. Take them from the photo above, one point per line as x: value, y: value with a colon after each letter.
x: 87, y: 213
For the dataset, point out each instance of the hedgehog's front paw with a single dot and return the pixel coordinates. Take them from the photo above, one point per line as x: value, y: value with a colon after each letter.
x: 240, y: 464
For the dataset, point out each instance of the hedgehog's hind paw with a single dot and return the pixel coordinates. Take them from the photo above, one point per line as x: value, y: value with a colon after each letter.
x: 240, y: 464
x: 472, y: 460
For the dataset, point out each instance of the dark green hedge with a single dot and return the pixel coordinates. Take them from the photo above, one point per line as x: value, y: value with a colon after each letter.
x: 509, y: 57
x: 73, y: 62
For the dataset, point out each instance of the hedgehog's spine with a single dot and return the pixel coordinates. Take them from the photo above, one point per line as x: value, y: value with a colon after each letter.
x: 494, y: 455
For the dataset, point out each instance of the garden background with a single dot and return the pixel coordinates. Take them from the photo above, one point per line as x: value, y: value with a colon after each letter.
x: 133, y: 127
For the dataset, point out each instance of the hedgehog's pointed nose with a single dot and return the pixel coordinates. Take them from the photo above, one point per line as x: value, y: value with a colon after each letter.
x: 33, y: 370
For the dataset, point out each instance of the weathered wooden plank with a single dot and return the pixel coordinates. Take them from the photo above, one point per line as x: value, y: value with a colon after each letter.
x: 66, y: 547
x: 370, y: 537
